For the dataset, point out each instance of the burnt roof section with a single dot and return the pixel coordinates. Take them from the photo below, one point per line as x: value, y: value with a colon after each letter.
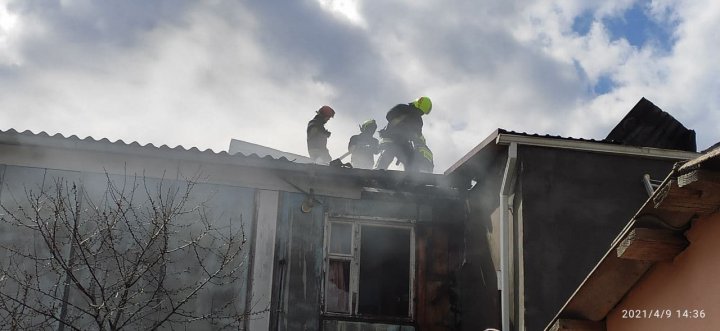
x: 646, y: 125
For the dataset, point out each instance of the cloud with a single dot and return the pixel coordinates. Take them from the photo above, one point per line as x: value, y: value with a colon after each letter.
x: 201, y: 73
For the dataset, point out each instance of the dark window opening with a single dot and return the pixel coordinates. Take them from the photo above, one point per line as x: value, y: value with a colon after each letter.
x: 384, y: 280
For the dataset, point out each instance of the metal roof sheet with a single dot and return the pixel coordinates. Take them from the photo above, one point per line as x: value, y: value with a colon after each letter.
x: 390, y: 177
x: 604, y: 141
x: 42, y: 138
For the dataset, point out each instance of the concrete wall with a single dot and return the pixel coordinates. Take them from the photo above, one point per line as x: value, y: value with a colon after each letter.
x: 687, y: 283
x: 574, y: 204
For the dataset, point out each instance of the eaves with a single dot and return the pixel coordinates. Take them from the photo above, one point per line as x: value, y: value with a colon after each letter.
x: 494, y: 144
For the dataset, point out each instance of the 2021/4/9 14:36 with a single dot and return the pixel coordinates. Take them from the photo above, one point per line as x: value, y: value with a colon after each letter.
x: 664, y: 313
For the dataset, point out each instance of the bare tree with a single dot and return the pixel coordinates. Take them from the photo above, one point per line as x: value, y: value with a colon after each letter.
x: 136, y: 254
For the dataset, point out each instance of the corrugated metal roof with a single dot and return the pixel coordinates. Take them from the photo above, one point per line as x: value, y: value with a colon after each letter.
x: 42, y: 138
x: 248, y: 148
x: 468, y: 159
x: 393, y: 178
x: 491, y: 140
x: 604, y: 141
x: 489, y: 146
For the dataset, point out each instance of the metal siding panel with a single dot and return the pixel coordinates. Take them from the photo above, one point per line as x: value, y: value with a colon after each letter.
x: 300, y: 245
x: 2, y: 179
x: 266, y: 226
x: 278, y: 308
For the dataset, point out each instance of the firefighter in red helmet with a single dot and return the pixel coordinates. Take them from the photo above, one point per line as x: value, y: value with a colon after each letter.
x: 317, y: 135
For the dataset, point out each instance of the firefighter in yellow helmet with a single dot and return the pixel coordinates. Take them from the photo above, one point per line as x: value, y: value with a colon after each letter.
x: 364, y: 146
x: 404, y: 127
x: 423, y: 161
x: 317, y: 135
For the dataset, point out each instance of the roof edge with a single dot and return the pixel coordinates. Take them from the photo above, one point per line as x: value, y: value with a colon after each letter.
x: 599, y: 147
x: 469, y: 155
x: 504, y: 137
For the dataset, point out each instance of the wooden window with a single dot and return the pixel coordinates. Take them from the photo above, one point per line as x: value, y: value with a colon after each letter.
x: 369, y: 268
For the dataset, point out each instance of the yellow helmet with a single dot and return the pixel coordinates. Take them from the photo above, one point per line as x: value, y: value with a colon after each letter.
x: 368, y: 126
x: 424, y: 104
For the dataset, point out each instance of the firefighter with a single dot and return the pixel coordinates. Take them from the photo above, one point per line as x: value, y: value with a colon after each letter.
x: 404, y: 126
x: 317, y: 135
x: 423, y: 156
x: 364, y: 146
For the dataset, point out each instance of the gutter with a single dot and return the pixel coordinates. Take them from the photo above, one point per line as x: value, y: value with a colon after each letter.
x: 590, y: 146
x: 507, y: 187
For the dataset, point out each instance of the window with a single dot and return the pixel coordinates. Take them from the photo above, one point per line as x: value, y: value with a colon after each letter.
x: 369, y: 268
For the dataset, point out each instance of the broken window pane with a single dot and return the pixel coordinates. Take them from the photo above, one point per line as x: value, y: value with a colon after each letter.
x: 384, y: 283
x: 340, y: 238
x: 338, y: 286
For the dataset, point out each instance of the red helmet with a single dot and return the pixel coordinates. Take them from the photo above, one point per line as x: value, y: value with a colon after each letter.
x: 326, y: 111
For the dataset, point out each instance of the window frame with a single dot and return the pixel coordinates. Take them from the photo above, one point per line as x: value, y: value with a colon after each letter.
x: 354, y: 258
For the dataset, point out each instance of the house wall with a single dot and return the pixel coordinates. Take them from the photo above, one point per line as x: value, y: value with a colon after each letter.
x: 117, y: 159
x: 231, y: 193
x: 439, y: 256
x: 574, y: 203
x: 299, y: 263
x: 517, y: 316
x: 226, y: 207
x: 282, y: 265
x: 688, y: 282
x: 478, y: 282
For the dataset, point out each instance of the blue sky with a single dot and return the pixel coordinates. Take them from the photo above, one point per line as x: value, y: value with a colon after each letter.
x: 200, y: 73
x: 635, y: 25
x: 638, y: 27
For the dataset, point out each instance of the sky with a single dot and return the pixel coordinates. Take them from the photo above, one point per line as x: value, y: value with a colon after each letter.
x: 199, y: 73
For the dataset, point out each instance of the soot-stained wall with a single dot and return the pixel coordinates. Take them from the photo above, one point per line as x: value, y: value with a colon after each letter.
x: 478, y: 284
x: 298, y: 276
